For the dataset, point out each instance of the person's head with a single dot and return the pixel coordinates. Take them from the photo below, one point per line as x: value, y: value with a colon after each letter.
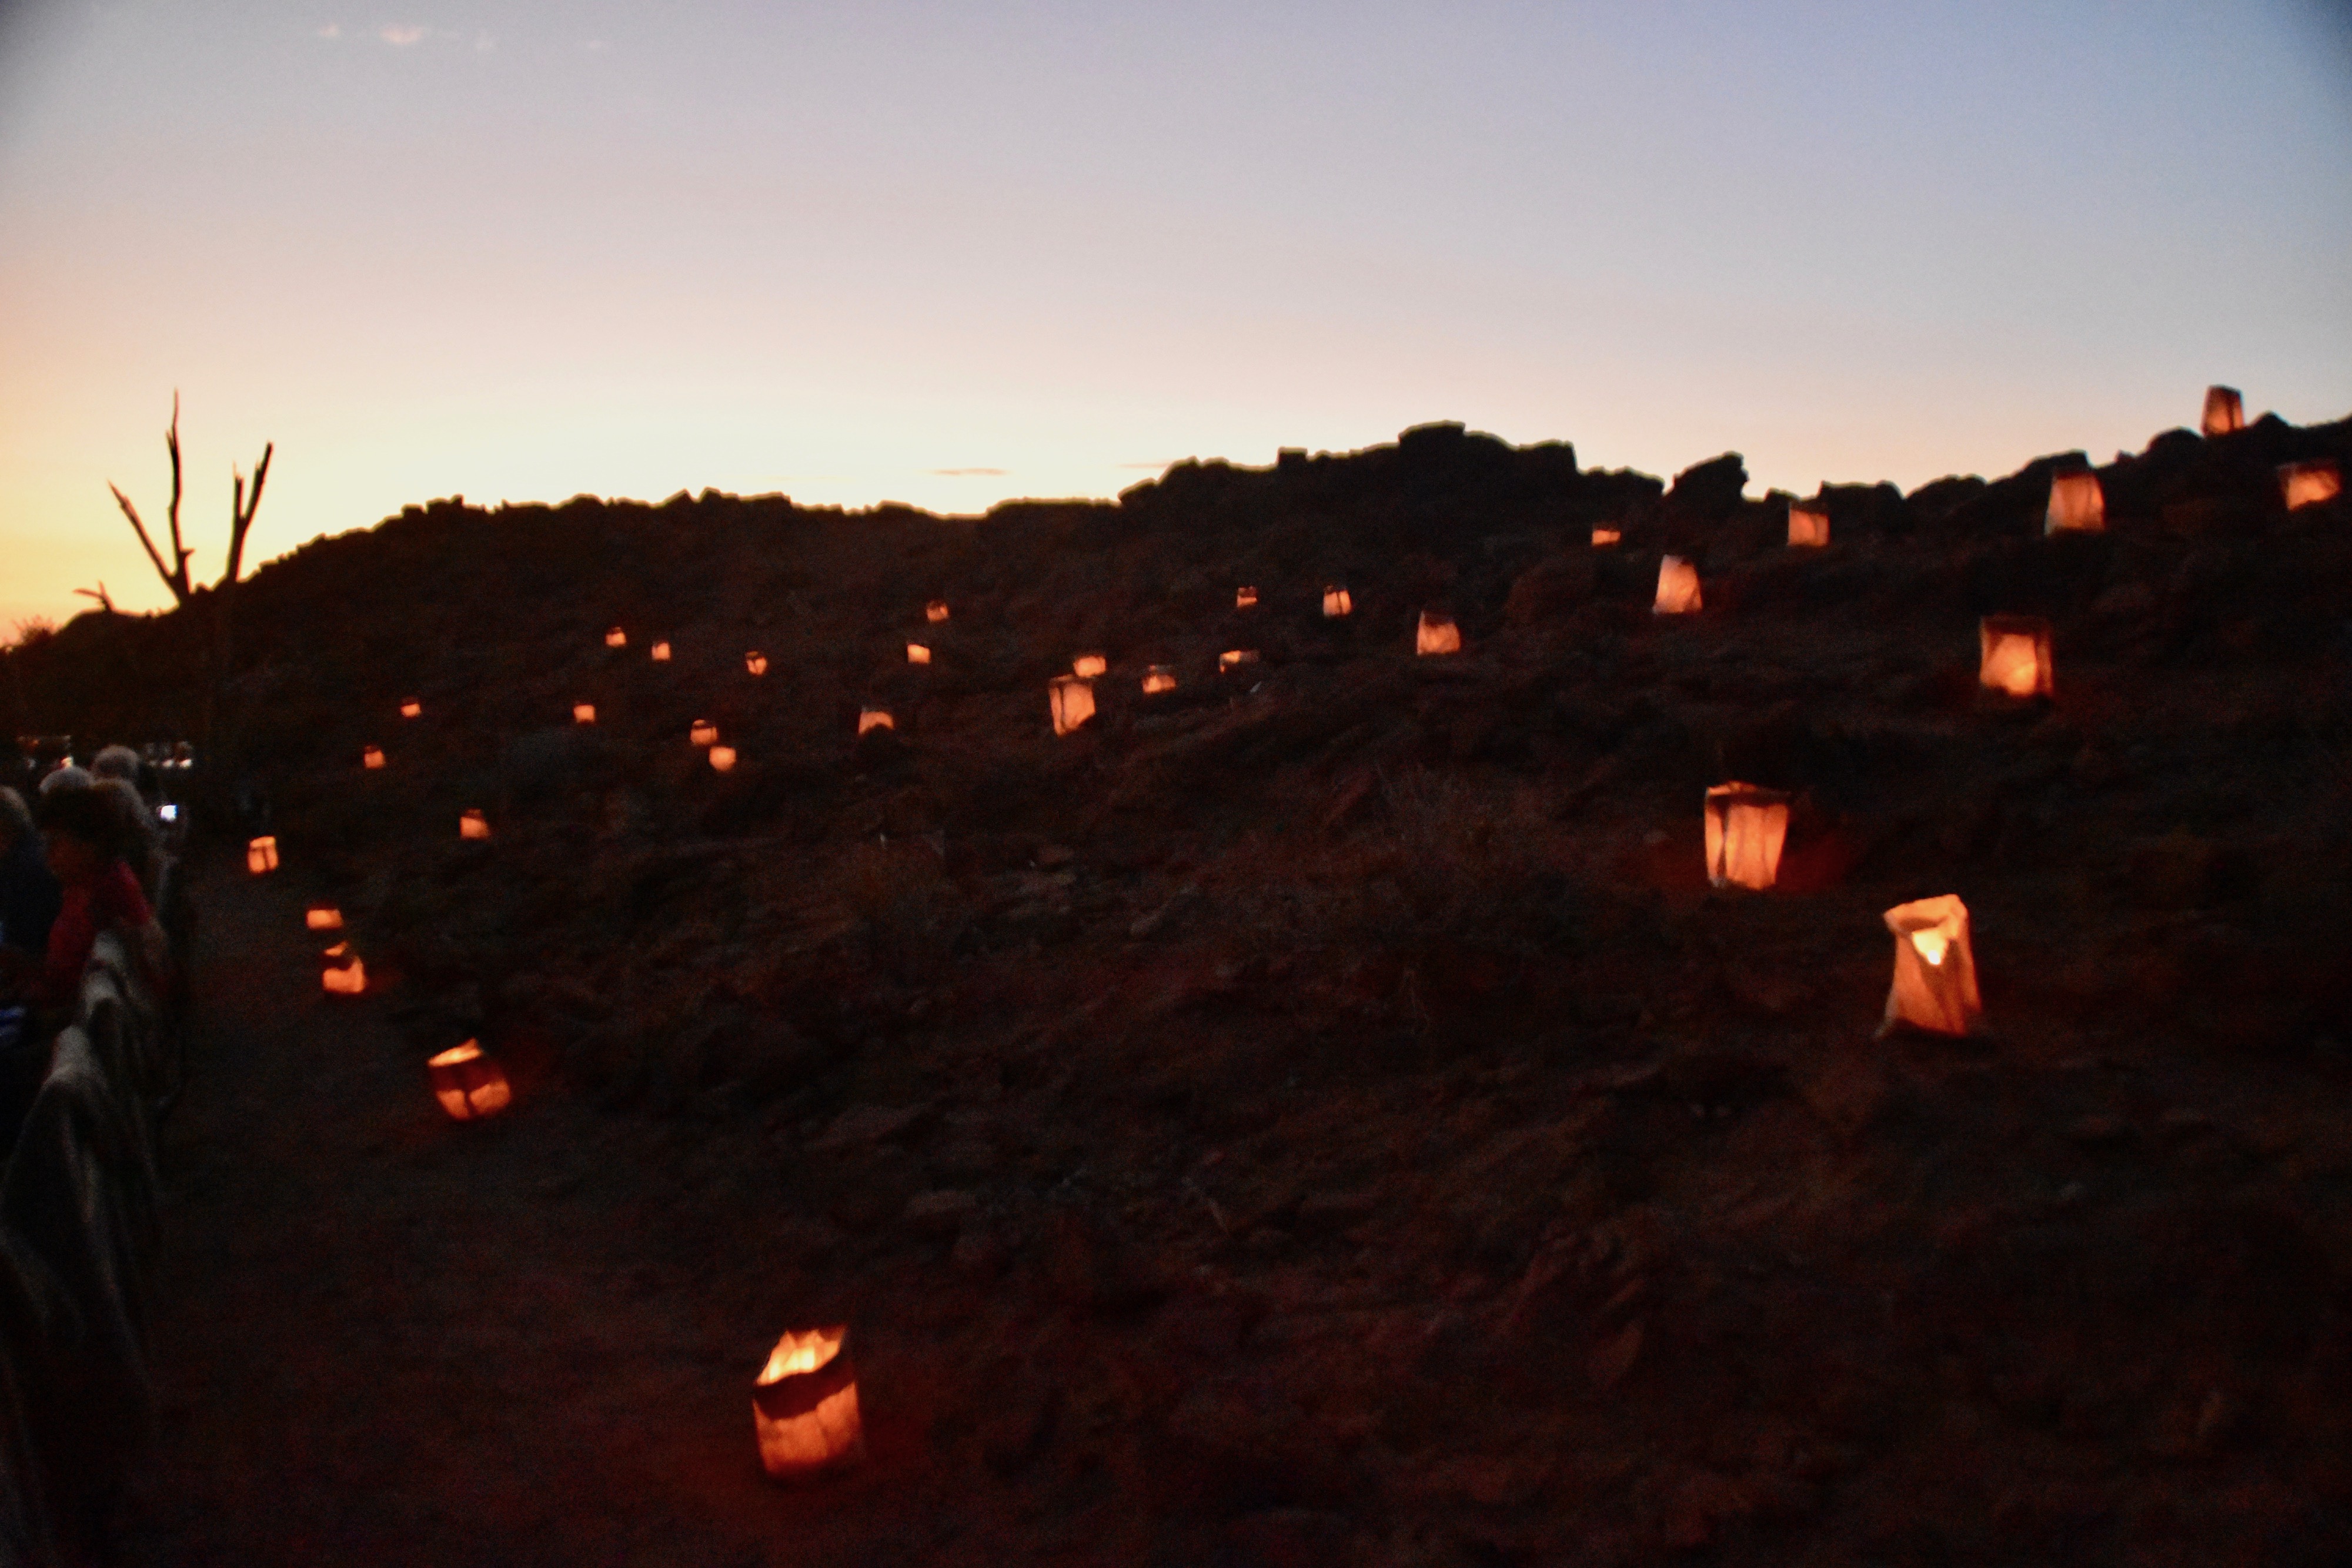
x: 81, y: 833
x: 15, y: 820
x: 58, y: 780
x: 117, y: 762
x: 134, y: 829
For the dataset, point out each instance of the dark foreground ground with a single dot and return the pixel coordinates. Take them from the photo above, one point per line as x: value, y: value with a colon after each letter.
x: 2051, y: 1308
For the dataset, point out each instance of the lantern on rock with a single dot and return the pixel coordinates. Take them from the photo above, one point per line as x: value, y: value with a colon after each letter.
x: 1072, y: 700
x: 372, y: 757
x: 2013, y: 655
x: 1244, y: 597
x: 583, y: 712
x: 1744, y: 830
x: 1935, y: 971
x: 1086, y: 666
x: 1157, y: 679
x: 344, y: 975
x: 469, y: 1085
x: 323, y: 917
x: 917, y: 655
x: 1337, y: 604
x: 473, y: 825
x: 411, y: 708
x: 2308, y: 483
x: 936, y: 611
x: 1807, y: 525
x: 804, y: 1404
x: 2077, y: 505
x: 2225, y: 410
x: 1436, y: 635
x: 1606, y: 539
x: 722, y: 757
x: 703, y: 732
x: 1677, y: 587
x: 617, y: 638
x: 261, y: 854
x: 1235, y: 658
x: 756, y: 663
x: 873, y: 718
x: 661, y: 653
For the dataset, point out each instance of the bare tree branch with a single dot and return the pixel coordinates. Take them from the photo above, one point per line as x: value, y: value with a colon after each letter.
x: 180, y: 552
x: 241, y: 513
x: 98, y: 593
x: 161, y: 570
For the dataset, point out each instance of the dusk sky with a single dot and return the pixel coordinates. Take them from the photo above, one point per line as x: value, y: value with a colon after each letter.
x: 948, y: 255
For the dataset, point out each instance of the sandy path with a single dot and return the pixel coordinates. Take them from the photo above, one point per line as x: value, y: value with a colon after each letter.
x: 385, y: 1337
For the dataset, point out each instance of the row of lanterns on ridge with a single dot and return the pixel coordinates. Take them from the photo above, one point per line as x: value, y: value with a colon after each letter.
x: 2077, y: 503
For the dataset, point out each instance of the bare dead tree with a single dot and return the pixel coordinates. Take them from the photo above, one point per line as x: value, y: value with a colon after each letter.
x: 217, y: 620
x: 241, y: 511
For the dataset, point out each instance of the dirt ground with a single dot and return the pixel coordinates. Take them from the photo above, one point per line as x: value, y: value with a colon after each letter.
x: 390, y: 1338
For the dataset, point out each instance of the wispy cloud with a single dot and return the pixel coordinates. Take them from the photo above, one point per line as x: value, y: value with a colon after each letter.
x: 971, y: 473
x: 400, y: 36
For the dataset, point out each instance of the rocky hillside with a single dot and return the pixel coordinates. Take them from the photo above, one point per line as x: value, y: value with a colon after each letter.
x: 1323, y: 1112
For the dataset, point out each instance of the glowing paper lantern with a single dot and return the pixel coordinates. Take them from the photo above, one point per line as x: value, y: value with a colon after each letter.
x: 1436, y: 635
x: 804, y: 1404
x: 411, y: 709
x: 371, y: 758
x: 1235, y: 658
x: 1602, y: 538
x: 1157, y: 679
x: 1244, y: 597
x: 873, y: 718
x: 323, y: 917
x: 917, y: 655
x: 261, y: 854
x: 471, y: 825
x: 661, y: 653
x: 583, y: 712
x: 2013, y: 655
x: 1808, y: 525
x: 469, y: 1085
x: 617, y: 638
x: 1336, y: 603
x: 1744, y: 830
x: 2225, y: 410
x: 344, y: 975
x: 756, y: 663
x: 1935, y: 972
x: 1086, y: 666
x: 2077, y: 505
x: 1073, y: 701
x: 722, y: 757
x: 2308, y: 483
x: 936, y: 611
x: 1677, y: 587
x: 703, y: 733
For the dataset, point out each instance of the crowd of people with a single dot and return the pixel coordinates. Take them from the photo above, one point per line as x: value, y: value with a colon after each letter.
x: 84, y: 857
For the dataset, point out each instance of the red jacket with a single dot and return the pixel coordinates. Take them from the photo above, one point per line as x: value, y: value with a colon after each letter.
x: 113, y: 902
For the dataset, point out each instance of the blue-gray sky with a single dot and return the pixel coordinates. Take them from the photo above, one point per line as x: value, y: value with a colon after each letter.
x: 951, y: 254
